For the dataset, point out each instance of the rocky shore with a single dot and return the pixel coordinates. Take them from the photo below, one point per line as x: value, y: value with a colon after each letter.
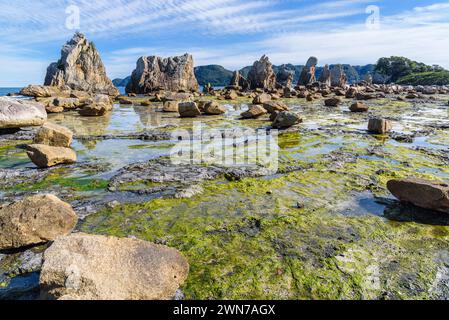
x: 93, y: 207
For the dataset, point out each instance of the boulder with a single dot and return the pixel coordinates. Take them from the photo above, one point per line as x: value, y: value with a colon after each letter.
x: 261, y: 75
x: 16, y: 114
x: 91, y: 267
x: 351, y: 93
x: 171, y: 74
x: 262, y: 98
x: 66, y: 103
x: 80, y: 68
x: 426, y: 194
x: 254, y: 112
x: 53, y: 135
x: 286, y: 119
x: 214, y: 108
x: 272, y: 106
x: 171, y: 106
x: 379, y: 126
x: 37, y: 91
x: 231, y: 95
x: 332, y: 102
x: 359, y: 107
x: 35, y: 220
x: 307, y: 76
x: 125, y: 101
x: 94, y: 110
x: 364, y: 96
x: 45, y: 156
x: 188, y: 110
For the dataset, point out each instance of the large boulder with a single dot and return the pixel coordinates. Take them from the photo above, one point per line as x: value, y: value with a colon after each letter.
x: 422, y: 193
x: 35, y: 220
x: 262, y: 98
x: 332, y: 102
x: 359, y: 107
x: 80, y: 68
x: 338, y: 76
x: 91, y: 267
x: 238, y: 81
x: 16, y: 114
x: 53, y: 135
x: 96, y: 106
x: 45, y: 156
x: 286, y: 119
x: 325, y: 76
x: 272, y: 106
x: 45, y: 91
x: 156, y: 73
x: 308, y: 72
x: 261, y: 75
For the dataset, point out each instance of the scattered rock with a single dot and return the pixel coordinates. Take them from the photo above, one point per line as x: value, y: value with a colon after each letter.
x: 35, y: 220
x: 53, y: 135
x: 45, y: 156
x: 16, y: 114
x: 359, y: 107
x: 262, y: 98
x: 286, y: 119
x: 254, y: 112
x: 214, y: 108
x: 422, y: 193
x: 272, y: 106
x: 171, y: 106
x: 379, y: 126
x: 188, y: 110
x: 89, y: 267
x: 332, y: 102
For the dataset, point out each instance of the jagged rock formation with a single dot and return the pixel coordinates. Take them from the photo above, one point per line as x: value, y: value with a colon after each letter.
x: 239, y: 81
x: 80, y: 68
x: 285, y: 76
x: 261, y: 75
x: 155, y: 73
x: 325, y: 76
x: 338, y: 76
x: 308, y: 72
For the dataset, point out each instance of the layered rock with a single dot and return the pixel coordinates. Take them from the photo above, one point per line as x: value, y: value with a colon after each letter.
x: 426, y: 194
x: 308, y: 72
x: 238, y: 81
x: 16, y: 114
x: 325, y: 76
x: 45, y: 156
x: 53, y: 135
x: 80, y: 68
x: 155, y: 73
x: 35, y: 220
x: 261, y: 75
x: 88, y: 267
x: 338, y: 76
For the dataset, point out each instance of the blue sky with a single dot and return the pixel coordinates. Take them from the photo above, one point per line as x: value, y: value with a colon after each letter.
x: 232, y: 33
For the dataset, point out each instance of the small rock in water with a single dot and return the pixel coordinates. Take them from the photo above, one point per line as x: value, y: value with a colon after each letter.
x: 286, y: 119
x: 189, y: 110
x: 359, y: 107
x: 379, y: 126
x: 53, y: 135
x: 254, y: 112
x: 45, y: 156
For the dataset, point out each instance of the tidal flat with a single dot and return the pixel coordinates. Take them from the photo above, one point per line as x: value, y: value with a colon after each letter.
x: 323, y: 226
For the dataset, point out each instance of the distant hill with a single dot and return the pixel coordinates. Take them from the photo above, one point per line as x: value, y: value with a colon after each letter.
x: 214, y: 74
x: 121, y: 82
x: 430, y: 78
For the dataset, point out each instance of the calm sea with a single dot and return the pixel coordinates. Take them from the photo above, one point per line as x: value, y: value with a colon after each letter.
x: 5, y: 91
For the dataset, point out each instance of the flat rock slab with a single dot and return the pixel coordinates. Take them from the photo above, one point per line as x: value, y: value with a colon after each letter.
x: 422, y: 193
x: 17, y: 114
x: 90, y: 267
x: 54, y: 135
x: 45, y: 156
x: 35, y: 220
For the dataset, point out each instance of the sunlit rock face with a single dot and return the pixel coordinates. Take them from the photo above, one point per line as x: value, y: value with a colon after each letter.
x: 80, y: 68
x: 156, y: 73
x: 261, y: 75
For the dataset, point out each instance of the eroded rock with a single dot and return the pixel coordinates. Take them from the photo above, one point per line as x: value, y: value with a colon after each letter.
x: 45, y: 156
